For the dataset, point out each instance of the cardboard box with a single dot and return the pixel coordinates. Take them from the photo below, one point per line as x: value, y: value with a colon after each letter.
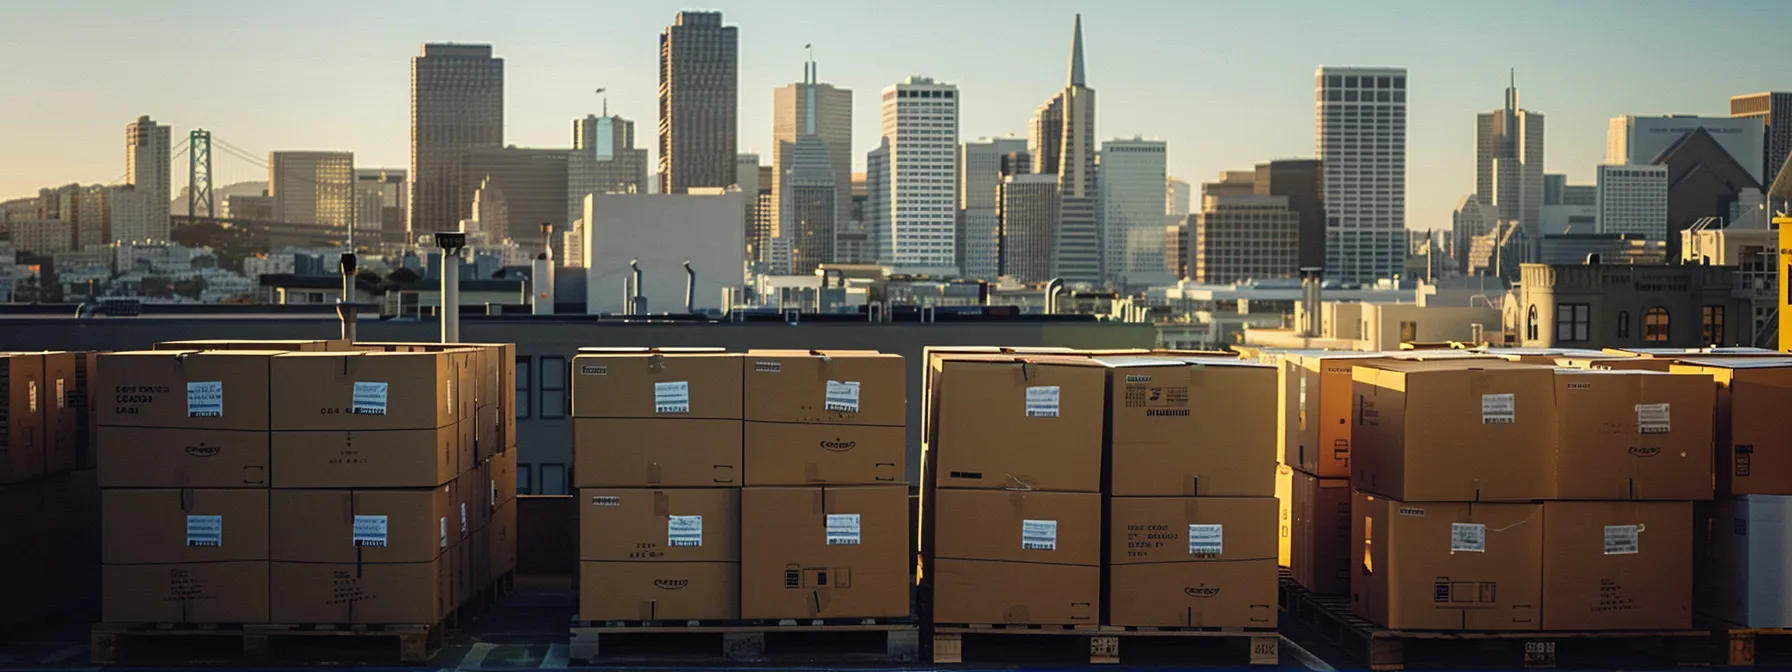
x: 1454, y: 431
x: 984, y: 592
x: 472, y: 494
x: 933, y: 355
x: 369, y: 390
x: 363, y: 526
x: 825, y: 552
x: 183, y: 525
x: 658, y: 591
x: 501, y: 473
x: 848, y: 387
x: 1191, y: 561
x: 1548, y: 356
x: 1234, y: 594
x: 1196, y: 426
x: 195, y: 592
x: 1319, y: 557
x: 664, y: 384
x: 185, y: 389
x: 393, y: 458
x: 634, y: 452
x: 86, y: 378
x: 501, y: 538
x: 61, y: 419
x: 991, y: 437
x: 285, y: 345
x: 1752, y: 394
x: 1616, y: 363
x: 1744, y: 577
x: 1062, y: 528
x: 1320, y: 411
x: 488, y: 432
x: 22, y: 417
x: 1446, y: 566
x: 419, y: 593
x: 1634, y: 435
x: 779, y: 453
x: 155, y: 457
x: 660, y: 526
x: 1617, y: 565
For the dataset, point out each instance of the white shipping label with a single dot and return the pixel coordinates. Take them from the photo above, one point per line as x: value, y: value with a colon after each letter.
x: 672, y: 397
x: 1468, y: 537
x: 205, y: 399
x: 684, y: 531
x: 843, y: 529
x: 444, y: 523
x: 449, y: 385
x: 463, y: 519
x: 1499, y: 409
x: 842, y: 396
x: 1206, y: 539
x: 1039, y: 535
x: 205, y: 531
x: 370, y: 530
x: 61, y: 395
x: 369, y: 398
x: 31, y: 396
x: 1042, y: 401
x: 1622, y: 539
x: 1653, y: 419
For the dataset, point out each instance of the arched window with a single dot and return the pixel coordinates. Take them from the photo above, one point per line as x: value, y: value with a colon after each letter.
x: 1655, y: 325
x: 1530, y: 324
x: 1623, y: 324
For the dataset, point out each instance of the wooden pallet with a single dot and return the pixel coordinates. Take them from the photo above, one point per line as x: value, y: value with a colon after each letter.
x: 1103, y: 645
x: 1739, y: 644
x: 814, y: 641
x: 1384, y: 649
x: 129, y: 643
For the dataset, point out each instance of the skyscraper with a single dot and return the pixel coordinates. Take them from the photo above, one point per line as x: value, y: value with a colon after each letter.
x: 1634, y: 199
x: 1635, y: 140
x: 877, y: 202
x: 1361, y: 142
x: 312, y: 187
x: 147, y: 164
x: 609, y: 143
x: 1176, y: 198
x: 1061, y: 140
x: 1774, y: 111
x: 1030, y: 227
x: 979, y: 220
x: 826, y: 112
x: 920, y: 122
x: 1509, y: 161
x: 379, y: 198
x: 533, y: 183
x: 699, y: 99
x: 1133, y: 175
x: 1243, y: 232
x: 457, y: 103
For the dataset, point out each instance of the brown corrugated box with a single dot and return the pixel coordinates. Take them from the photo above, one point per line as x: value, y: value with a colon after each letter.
x: 933, y: 355
x: 170, y: 525
x: 635, y: 452
x: 391, y: 593
x: 1454, y: 431
x: 155, y: 457
x: 225, y: 389
x: 21, y: 418
x: 989, y: 437
x: 195, y: 592
x: 393, y: 458
x: 1752, y: 395
x: 1446, y: 566
x: 286, y: 345
x: 61, y: 419
x: 1016, y: 557
x: 983, y: 592
x: 1319, y: 553
x: 658, y: 591
x: 1617, y: 565
x: 501, y: 474
x: 501, y: 538
x: 664, y: 525
x: 1320, y: 412
x: 1634, y: 435
x: 825, y: 552
x: 662, y: 384
x: 369, y: 390
x: 472, y: 493
x: 1192, y: 561
x: 779, y: 453
x: 363, y: 526
x: 851, y: 387
x: 86, y: 382
x: 1196, y: 426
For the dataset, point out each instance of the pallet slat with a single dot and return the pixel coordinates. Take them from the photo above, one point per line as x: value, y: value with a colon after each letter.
x: 1104, y: 645
x: 733, y: 641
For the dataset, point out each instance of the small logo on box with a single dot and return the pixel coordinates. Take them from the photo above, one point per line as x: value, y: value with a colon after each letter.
x: 837, y: 445
x: 671, y: 584
x: 1200, y: 591
x: 202, y: 450
x: 1645, y: 451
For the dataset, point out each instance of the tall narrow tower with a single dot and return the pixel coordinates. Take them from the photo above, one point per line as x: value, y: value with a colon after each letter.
x: 1509, y: 161
x: 457, y: 103
x: 1360, y: 118
x: 699, y: 102
x: 147, y: 166
x: 1062, y: 142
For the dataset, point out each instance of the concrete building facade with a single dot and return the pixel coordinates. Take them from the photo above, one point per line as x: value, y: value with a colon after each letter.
x: 147, y: 166
x: 1133, y: 175
x: 1029, y: 209
x: 1605, y: 306
x: 1240, y: 237
x: 920, y: 210
x: 699, y: 102
x: 604, y: 160
x: 313, y: 187
x: 1360, y: 119
x: 457, y: 103
x: 979, y: 218
x: 1636, y: 140
x: 662, y: 231
x: 1633, y: 199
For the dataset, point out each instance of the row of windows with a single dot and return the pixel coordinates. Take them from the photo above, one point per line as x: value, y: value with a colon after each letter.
x: 1366, y: 81
x: 1574, y: 324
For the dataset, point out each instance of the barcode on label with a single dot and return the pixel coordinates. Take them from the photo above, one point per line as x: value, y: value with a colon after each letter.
x: 1622, y: 539
x: 205, y: 399
x: 205, y: 530
x: 842, y: 396
x: 370, y: 530
x: 369, y: 398
x: 1042, y: 401
x: 1653, y: 419
x: 1499, y: 409
x: 672, y: 397
x: 843, y: 529
x: 1206, y: 539
x: 684, y: 531
x: 1468, y: 538
x: 768, y: 366
x: 1039, y: 535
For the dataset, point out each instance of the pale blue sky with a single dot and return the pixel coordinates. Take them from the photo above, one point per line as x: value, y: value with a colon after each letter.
x: 1227, y: 84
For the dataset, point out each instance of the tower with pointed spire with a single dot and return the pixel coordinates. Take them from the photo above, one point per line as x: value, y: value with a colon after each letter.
x: 1061, y: 139
x: 811, y: 166
x: 1509, y: 161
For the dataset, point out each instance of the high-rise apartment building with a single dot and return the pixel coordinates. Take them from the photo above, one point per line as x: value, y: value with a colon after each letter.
x: 825, y: 111
x: 457, y: 103
x: 1638, y: 140
x: 1243, y: 235
x: 313, y: 187
x: 920, y: 124
x: 877, y: 203
x: 1634, y: 199
x: 1360, y: 137
x: 379, y: 199
x: 1509, y: 161
x: 699, y: 102
x: 147, y: 166
x: 1774, y: 111
x: 1133, y: 177
x: 979, y: 217
x: 1031, y: 231
x: 1061, y: 139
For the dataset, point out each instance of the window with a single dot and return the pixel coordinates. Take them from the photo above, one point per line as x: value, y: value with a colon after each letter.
x: 524, y: 481
x: 1711, y: 322
x: 1409, y: 332
x: 1573, y: 322
x: 1530, y: 322
x: 1623, y: 324
x: 1655, y: 325
x: 553, y: 388
x: 524, y: 385
x: 553, y: 479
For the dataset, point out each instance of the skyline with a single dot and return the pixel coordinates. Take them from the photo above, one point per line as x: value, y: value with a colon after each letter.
x: 1158, y: 65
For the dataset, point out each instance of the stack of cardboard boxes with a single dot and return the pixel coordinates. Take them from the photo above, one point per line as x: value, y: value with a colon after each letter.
x: 1054, y: 481
x: 48, y: 486
x: 664, y: 441
x: 326, y: 484
x: 1500, y: 496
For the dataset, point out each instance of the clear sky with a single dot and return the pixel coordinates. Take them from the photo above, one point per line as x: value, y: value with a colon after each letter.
x: 1227, y: 84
